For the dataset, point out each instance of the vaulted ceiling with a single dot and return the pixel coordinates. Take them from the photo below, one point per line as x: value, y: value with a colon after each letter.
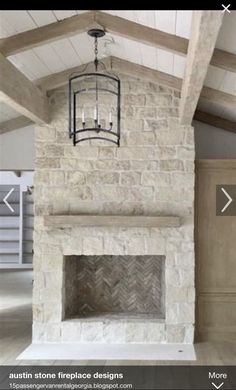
x: 44, y: 43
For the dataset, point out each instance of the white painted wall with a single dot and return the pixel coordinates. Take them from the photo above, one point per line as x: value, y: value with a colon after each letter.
x: 17, y: 149
x: 212, y: 142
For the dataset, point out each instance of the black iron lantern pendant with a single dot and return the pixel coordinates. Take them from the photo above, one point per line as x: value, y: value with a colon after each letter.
x: 94, y: 102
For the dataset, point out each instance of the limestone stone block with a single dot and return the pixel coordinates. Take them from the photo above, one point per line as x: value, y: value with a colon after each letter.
x: 168, y: 112
x: 187, y: 312
x: 39, y: 280
x: 53, y: 150
x: 175, y: 333
x: 54, y: 279
x: 171, y: 165
x: 130, y: 178
x: 107, y: 152
x: 145, y: 112
x: 53, y: 333
x: 45, y: 134
x: 155, y: 332
x: 155, y: 124
x: 128, y: 111
x: 179, y: 294
x: 183, y: 180
x: 175, y: 136
x: 110, y: 193
x: 75, y: 178
x: 73, y: 248
x: 156, y: 179
x: 135, y: 332
x: 61, y: 205
x: 41, y: 177
x: 114, y: 246
x: 81, y: 193
x: 75, y: 164
x: 63, y: 138
x: 135, y: 100
x: 100, y: 178
x: 180, y: 313
x: 71, y: 331
x: 189, y: 334
x: 190, y: 136
x: 38, y: 312
x: 50, y: 249
x: 177, y: 93
x: 165, y: 152
x: 142, y: 165
x: 81, y: 152
x: 140, y: 138
x: 123, y: 208
x: 47, y: 162
x: 39, y: 332
x: 114, y: 332
x: 140, y: 193
x: 173, y: 277
x: 186, y: 152
x: 155, y: 246
x: 133, y: 124
x: 189, y: 166
x: 92, y: 332
x: 135, y: 245
x: 138, y: 153
x: 57, y: 178
x: 43, y: 209
x: 176, y: 102
x: 158, y: 100
x: 85, y: 206
x: 93, y: 246
x: 52, y: 312
x: 111, y: 165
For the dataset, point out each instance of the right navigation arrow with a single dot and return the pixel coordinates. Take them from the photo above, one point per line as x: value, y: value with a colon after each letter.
x: 230, y: 200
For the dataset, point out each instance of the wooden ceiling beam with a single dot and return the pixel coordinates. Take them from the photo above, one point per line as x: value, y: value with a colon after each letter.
x: 14, y: 124
x: 204, y: 31
x: 113, y: 24
x: 21, y: 94
x: 49, y: 33
x: 215, y: 120
x: 141, y: 33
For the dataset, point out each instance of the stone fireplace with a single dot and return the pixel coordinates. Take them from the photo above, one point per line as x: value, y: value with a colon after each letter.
x: 116, y: 284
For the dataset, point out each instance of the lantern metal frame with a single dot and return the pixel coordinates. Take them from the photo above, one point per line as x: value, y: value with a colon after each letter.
x: 74, y: 132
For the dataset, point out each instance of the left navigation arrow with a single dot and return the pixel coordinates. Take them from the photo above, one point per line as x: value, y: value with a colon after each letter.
x: 6, y: 202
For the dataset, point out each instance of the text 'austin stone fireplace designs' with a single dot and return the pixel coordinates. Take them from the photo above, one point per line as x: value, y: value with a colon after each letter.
x: 114, y: 287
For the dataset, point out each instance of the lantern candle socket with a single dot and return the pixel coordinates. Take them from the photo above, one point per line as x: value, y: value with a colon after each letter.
x: 97, y: 124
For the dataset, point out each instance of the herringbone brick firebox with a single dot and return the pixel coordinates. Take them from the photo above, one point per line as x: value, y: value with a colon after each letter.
x: 118, y: 286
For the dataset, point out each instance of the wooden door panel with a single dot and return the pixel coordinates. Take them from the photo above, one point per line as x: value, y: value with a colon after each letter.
x: 215, y: 254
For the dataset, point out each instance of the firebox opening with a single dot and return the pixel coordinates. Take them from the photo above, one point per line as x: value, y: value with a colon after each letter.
x: 114, y: 287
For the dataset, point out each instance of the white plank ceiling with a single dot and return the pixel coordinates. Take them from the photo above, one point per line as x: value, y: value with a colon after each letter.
x: 69, y: 52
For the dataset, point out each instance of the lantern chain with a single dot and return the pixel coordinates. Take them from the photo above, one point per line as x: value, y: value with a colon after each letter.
x: 96, y: 52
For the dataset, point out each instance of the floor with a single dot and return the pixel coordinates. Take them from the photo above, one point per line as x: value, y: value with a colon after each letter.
x: 15, y: 330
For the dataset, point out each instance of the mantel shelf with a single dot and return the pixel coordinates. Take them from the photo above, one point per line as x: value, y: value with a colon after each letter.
x: 67, y: 221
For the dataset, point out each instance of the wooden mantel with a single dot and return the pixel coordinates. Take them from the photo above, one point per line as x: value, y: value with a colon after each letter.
x: 65, y: 221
